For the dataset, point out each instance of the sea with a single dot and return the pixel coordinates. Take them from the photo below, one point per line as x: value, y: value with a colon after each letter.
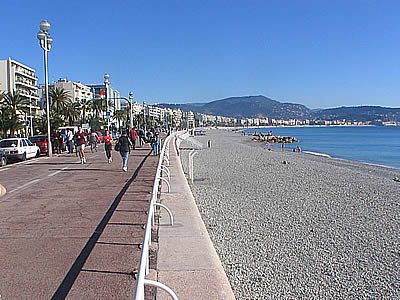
x: 379, y: 145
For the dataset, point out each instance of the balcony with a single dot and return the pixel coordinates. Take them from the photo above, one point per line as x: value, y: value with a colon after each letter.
x: 26, y: 73
x: 25, y: 84
x: 28, y: 94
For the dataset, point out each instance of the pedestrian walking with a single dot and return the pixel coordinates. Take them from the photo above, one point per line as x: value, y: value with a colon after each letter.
x: 155, y: 144
x: 70, y: 141
x: 133, y: 136
x: 57, y: 142
x: 93, y: 140
x: 80, y: 142
x: 63, y: 140
x: 108, y: 145
x: 141, y: 135
x: 124, y: 149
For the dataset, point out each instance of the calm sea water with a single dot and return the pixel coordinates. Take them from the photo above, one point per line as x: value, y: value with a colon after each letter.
x: 371, y: 144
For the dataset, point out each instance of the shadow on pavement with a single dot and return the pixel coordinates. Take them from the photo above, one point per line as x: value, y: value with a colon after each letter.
x: 92, y: 169
x: 119, y: 244
x: 52, y: 163
x: 71, y: 276
x: 108, y: 272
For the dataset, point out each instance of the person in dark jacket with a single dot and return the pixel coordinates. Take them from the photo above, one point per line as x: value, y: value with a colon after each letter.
x: 124, y: 149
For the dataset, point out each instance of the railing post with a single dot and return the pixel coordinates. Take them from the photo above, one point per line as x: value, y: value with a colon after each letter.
x: 167, y: 182
x: 171, y: 217
x: 144, y: 264
x: 190, y: 165
x: 166, y: 170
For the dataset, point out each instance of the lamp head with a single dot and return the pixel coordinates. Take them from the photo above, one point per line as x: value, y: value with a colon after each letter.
x: 49, y: 41
x: 41, y: 36
x: 106, y: 78
x: 44, y: 26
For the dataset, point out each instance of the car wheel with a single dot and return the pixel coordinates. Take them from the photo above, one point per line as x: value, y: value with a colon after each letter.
x: 3, y: 162
x: 24, y: 156
x: 37, y: 153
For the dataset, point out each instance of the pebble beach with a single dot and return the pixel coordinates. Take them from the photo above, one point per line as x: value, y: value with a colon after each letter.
x: 296, y: 226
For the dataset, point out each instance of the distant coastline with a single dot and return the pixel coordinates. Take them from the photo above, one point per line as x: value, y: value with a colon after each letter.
x: 296, y: 126
x: 260, y: 110
x: 374, y: 145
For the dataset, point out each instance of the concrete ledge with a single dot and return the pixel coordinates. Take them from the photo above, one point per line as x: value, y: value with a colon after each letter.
x: 187, y: 260
x: 210, y: 285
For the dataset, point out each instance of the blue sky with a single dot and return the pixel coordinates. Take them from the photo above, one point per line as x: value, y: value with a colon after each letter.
x: 318, y: 53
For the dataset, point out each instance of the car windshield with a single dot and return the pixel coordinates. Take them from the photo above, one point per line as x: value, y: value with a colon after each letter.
x: 8, y: 143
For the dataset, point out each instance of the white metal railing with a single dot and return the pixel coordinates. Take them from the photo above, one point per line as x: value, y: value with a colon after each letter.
x: 194, y: 146
x: 143, y: 269
x: 190, y: 165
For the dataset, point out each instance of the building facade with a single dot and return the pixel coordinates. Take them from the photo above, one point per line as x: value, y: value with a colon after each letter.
x: 100, y: 91
x: 76, y: 91
x: 17, y: 77
x: 188, y: 120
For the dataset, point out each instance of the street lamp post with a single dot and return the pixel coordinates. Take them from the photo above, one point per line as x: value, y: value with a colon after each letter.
x: 30, y: 118
x: 107, y: 83
x: 129, y: 101
x: 131, y: 109
x: 144, y: 117
x: 45, y: 43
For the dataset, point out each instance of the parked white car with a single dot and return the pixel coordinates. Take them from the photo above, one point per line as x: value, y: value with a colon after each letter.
x: 20, y: 148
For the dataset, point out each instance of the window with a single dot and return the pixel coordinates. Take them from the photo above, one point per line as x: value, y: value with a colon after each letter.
x: 8, y: 143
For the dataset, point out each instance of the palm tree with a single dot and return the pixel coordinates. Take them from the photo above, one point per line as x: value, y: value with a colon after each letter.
x: 12, y: 105
x: 95, y: 123
x: 85, y: 105
x: 98, y: 106
x: 60, y: 99
x: 72, y: 112
x: 15, y: 101
x: 120, y: 115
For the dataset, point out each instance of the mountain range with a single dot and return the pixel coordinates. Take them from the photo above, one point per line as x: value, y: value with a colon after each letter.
x: 261, y: 107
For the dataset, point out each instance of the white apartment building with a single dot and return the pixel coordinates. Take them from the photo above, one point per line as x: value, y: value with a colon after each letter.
x: 15, y: 76
x: 77, y: 91
x: 188, y: 120
x: 177, y: 117
x: 156, y: 113
x: 137, y: 108
x: 115, y: 97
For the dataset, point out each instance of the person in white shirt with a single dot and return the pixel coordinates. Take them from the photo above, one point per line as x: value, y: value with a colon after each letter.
x: 70, y: 141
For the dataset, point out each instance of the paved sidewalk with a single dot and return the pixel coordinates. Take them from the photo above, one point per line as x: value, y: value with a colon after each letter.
x: 73, y: 231
x: 187, y: 261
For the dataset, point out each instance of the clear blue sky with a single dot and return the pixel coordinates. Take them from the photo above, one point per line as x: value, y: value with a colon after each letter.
x: 318, y: 53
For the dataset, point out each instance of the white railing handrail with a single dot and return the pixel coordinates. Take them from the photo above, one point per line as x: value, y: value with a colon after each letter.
x: 143, y: 269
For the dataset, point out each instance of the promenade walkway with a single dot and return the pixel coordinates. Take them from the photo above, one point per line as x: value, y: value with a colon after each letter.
x: 73, y: 231
x: 187, y: 261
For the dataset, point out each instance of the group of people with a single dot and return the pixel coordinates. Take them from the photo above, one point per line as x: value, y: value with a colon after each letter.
x: 124, y: 144
x: 66, y: 140
x: 129, y: 139
x: 151, y: 136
